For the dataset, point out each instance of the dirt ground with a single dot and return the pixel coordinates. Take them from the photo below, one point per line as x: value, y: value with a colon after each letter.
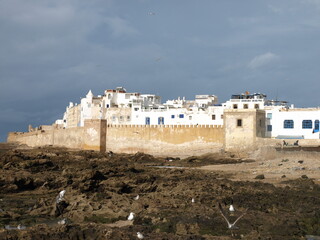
x: 280, y: 195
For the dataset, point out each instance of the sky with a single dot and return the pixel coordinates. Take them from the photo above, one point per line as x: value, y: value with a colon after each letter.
x: 53, y: 52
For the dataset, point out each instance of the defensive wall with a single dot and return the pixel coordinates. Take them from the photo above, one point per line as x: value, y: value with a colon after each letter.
x: 243, y: 132
x: 173, y: 140
x: 88, y: 137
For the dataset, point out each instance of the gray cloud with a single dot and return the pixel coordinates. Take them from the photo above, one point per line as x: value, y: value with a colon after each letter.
x: 53, y: 52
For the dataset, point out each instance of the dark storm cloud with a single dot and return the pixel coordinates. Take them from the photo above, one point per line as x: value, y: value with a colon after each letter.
x: 53, y: 52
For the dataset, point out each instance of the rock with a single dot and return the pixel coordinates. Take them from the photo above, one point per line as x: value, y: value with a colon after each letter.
x: 261, y: 176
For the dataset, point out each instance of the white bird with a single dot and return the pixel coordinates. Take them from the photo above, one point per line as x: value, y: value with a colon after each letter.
x: 151, y: 13
x: 231, y: 208
x: 231, y: 225
x: 192, y: 200
x: 60, y: 196
x: 131, y: 216
x: 139, y: 235
x: 20, y: 227
x: 137, y: 197
x: 62, y: 222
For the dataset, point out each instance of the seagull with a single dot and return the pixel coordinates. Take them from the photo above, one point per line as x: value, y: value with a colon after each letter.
x: 110, y: 154
x: 20, y: 227
x: 151, y: 13
x: 131, y: 216
x: 62, y: 222
x: 137, y: 197
x: 139, y: 235
x: 60, y: 196
x: 192, y: 200
x: 231, y: 208
x: 231, y: 225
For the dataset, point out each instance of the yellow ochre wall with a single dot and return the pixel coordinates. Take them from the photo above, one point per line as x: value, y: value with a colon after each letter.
x: 173, y: 140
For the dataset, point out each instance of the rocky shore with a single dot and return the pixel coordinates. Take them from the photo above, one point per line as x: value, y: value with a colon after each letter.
x: 101, y: 191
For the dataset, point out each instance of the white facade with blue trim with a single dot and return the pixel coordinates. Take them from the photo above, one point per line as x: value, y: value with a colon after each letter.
x: 120, y: 107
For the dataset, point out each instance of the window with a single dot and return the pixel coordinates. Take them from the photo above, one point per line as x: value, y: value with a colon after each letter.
x: 128, y: 118
x: 190, y: 117
x: 136, y: 109
x: 160, y: 120
x: 213, y: 117
x: 181, y: 115
x: 260, y: 123
x: 172, y: 116
x: 256, y: 106
x: 269, y: 128
x: 306, y: 124
x: 316, y: 125
x: 235, y: 106
x: 221, y: 116
x: 107, y: 106
x: 239, y: 122
x: 114, y: 118
x: 288, y: 124
x: 269, y: 115
x: 147, y: 121
x: 245, y: 106
x: 121, y: 118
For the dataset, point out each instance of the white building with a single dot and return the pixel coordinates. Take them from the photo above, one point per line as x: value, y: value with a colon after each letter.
x: 119, y: 107
x: 293, y: 123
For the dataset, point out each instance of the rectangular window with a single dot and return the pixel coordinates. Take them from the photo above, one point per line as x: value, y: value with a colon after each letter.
x: 172, y: 116
x: 128, y: 118
x: 160, y: 120
x: 245, y: 106
x: 239, y: 122
x: 213, y: 117
x: 147, y: 121
x: 316, y: 125
x: 307, y: 124
x: 181, y: 115
x: 288, y: 124
x: 269, y: 115
x: 269, y: 128
x: 136, y: 109
x: 221, y: 116
x: 190, y: 117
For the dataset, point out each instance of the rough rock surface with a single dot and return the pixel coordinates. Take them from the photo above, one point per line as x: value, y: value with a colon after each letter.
x: 100, y: 192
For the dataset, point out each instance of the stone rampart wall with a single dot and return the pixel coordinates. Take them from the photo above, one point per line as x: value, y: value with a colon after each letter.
x: 71, y: 137
x: 173, y: 140
x: 170, y: 140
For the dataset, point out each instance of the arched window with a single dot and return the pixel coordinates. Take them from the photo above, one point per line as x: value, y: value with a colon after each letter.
x: 307, y: 124
x: 288, y: 124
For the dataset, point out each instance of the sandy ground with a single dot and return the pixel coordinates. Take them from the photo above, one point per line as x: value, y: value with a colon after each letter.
x: 275, y: 170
